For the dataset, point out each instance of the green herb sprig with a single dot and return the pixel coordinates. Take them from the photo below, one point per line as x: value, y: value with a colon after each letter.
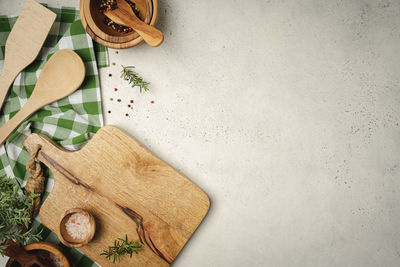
x: 119, y: 249
x: 15, y: 208
x: 133, y: 78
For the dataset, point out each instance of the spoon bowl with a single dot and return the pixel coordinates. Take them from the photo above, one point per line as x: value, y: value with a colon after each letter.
x: 60, y: 77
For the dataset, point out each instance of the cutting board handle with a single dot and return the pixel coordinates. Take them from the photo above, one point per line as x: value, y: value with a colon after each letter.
x: 48, y: 146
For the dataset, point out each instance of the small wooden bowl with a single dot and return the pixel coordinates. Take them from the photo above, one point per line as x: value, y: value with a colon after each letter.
x: 92, y: 21
x: 68, y: 240
x: 44, y: 246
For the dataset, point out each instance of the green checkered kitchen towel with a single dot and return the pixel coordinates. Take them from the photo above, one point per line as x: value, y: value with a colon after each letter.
x: 68, y: 121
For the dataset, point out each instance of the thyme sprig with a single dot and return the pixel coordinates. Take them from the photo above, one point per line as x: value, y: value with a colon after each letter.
x: 15, y: 208
x: 133, y: 78
x: 119, y: 249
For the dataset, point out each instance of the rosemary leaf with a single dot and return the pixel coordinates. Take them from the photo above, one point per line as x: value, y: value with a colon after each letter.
x: 119, y: 249
x: 15, y: 208
x: 133, y: 78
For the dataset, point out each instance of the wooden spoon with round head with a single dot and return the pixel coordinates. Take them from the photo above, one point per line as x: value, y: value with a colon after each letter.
x: 60, y: 77
x: 124, y: 15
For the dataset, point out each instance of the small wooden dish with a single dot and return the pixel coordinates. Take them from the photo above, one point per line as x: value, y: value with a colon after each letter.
x: 37, y: 247
x: 68, y: 240
x: 92, y: 21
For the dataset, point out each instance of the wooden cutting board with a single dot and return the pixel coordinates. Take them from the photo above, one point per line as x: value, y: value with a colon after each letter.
x: 128, y: 190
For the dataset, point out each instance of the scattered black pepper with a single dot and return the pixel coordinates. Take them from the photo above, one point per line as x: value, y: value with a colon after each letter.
x: 109, y: 75
x: 129, y: 106
x: 126, y: 114
x: 119, y: 100
x: 109, y: 111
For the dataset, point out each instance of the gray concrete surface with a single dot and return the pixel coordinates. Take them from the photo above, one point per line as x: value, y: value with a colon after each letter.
x: 287, y: 114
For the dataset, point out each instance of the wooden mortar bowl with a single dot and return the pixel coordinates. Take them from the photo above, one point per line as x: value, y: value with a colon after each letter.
x: 93, y: 22
x: 68, y: 240
x: 44, y: 246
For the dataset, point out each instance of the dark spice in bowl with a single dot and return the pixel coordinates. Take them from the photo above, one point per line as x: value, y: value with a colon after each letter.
x: 111, y: 5
x: 47, y: 256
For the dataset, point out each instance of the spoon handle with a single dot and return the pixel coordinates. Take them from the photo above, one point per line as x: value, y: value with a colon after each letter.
x: 8, y: 128
x: 150, y: 34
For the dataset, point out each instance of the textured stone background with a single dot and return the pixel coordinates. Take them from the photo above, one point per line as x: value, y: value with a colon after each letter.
x: 286, y: 113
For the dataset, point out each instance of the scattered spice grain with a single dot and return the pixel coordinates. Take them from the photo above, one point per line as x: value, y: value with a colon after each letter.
x: 152, y: 101
x: 131, y: 101
x: 115, y: 89
x: 119, y: 99
x: 109, y: 111
x: 111, y: 99
x: 109, y: 75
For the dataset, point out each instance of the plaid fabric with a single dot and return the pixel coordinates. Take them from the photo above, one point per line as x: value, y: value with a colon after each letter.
x: 68, y: 121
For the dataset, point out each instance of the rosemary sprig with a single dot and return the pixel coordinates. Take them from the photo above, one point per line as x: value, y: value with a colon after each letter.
x: 119, y: 249
x: 133, y: 78
x: 15, y: 208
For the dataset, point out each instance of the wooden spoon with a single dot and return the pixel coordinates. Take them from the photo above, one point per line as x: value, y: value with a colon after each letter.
x: 60, y: 77
x: 24, y: 42
x: 124, y: 15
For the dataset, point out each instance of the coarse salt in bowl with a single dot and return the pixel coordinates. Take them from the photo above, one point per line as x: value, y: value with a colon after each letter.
x: 76, y: 228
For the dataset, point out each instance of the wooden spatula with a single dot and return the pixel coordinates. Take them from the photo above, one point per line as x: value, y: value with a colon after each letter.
x: 124, y: 15
x: 60, y: 77
x: 24, y: 42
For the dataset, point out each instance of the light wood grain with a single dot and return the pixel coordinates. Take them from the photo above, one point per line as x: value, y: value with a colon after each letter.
x: 128, y: 190
x: 24, y: 42
x: 124, y: 15
x: 60, y: 77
